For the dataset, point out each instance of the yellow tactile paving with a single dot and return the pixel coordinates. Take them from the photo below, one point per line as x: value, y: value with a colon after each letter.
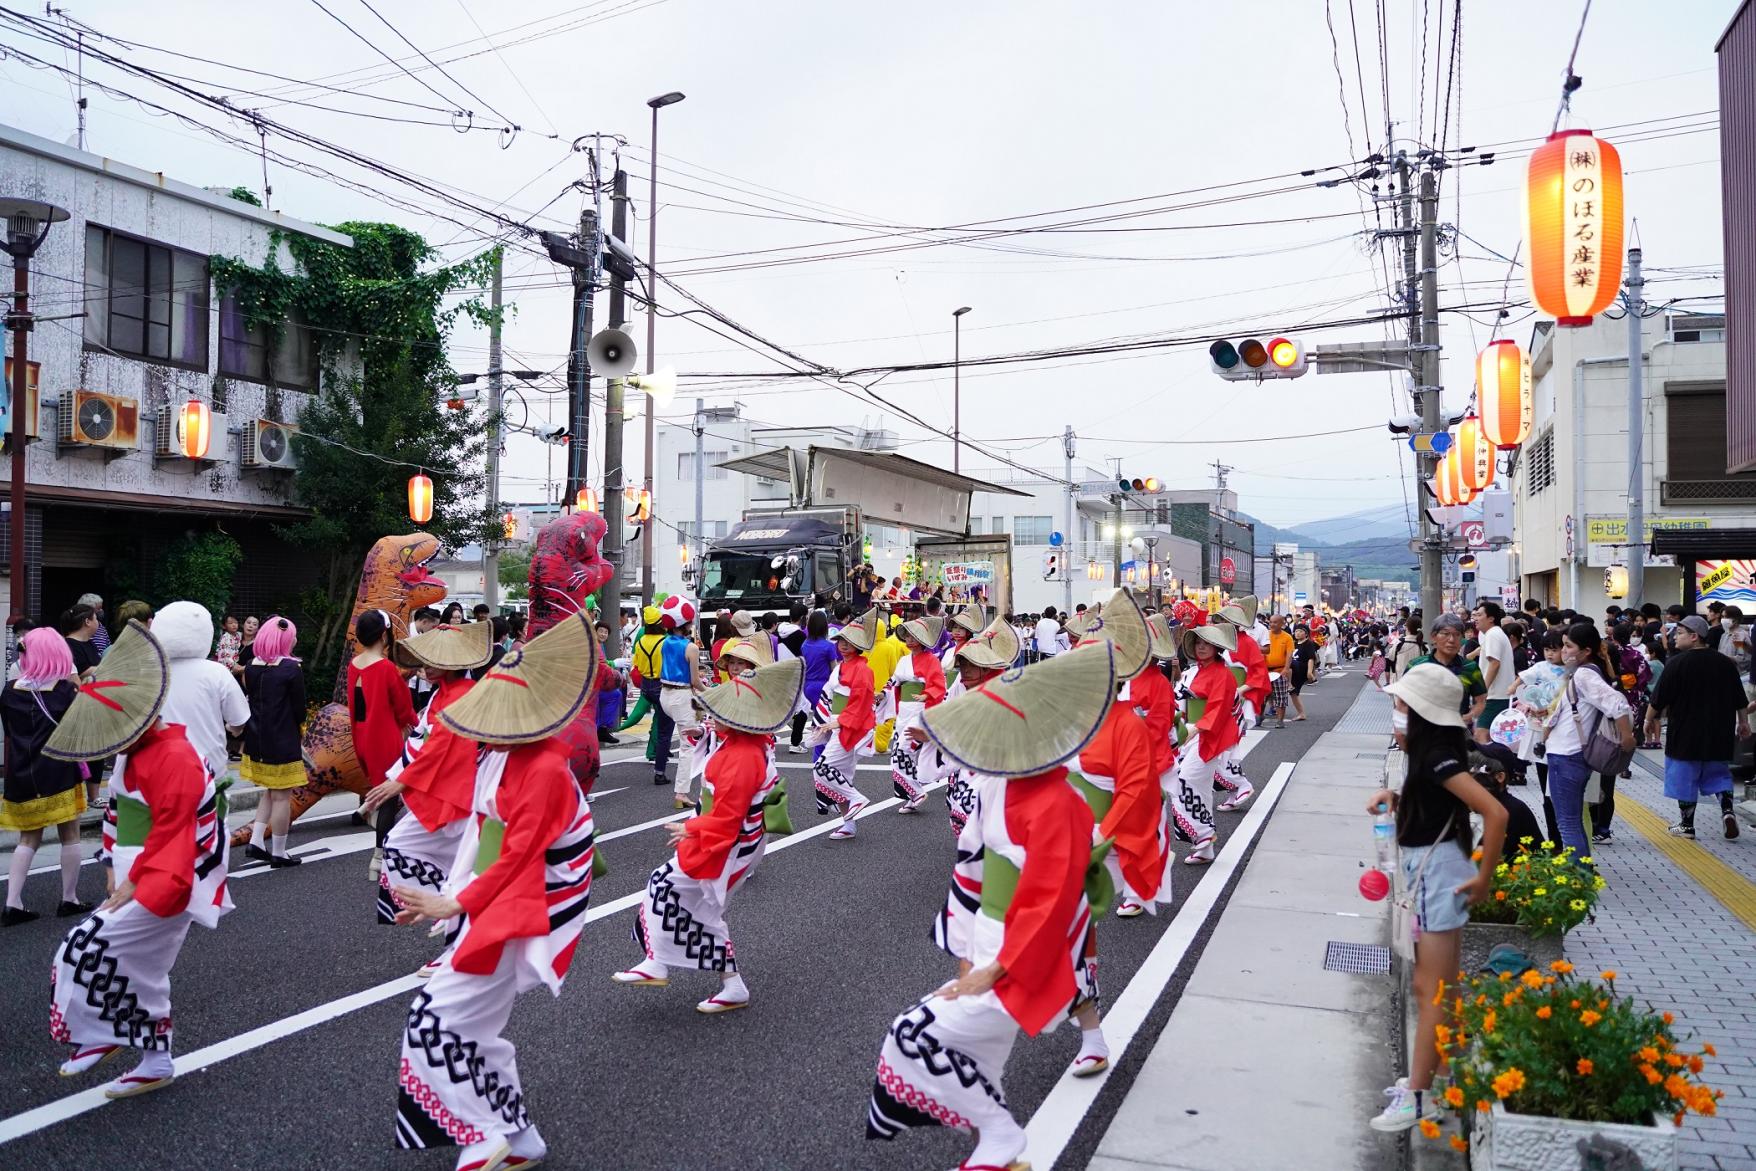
x: 1735, y: 892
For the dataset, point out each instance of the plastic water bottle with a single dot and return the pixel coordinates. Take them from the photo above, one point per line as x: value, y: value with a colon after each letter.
x: 1384, y: 839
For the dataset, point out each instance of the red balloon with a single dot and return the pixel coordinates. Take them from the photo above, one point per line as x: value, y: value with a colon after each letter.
x: 1374, y: 885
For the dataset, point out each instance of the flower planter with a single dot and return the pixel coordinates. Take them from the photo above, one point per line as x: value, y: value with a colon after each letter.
x: 1504, y: 1141
x: 1481, y: 938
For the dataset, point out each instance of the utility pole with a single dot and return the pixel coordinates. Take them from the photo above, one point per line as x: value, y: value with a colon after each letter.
x: 496, y: 438
x: 1220, y: 471
x: 700, y: 549
x: 584, y: 286
x: 1636, y: 540
x: 614, y: 553
x: 1067, y: 543
x: 1427, y: 383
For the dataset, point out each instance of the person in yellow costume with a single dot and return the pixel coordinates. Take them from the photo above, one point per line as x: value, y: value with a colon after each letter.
x: 887, y: 650
x: 647, y: 664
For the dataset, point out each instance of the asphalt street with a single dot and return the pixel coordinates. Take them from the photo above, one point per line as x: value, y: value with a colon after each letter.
x: 833, y: 938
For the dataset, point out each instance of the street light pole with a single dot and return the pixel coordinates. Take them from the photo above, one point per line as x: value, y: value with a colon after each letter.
x: 656, y: 104
x: 957, y: 387
x: 27, y: 225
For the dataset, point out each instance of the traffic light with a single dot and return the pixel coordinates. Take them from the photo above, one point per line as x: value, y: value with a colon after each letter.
x: 1254, y: 359
x: 1140, y: 484
x: 1466, y: 566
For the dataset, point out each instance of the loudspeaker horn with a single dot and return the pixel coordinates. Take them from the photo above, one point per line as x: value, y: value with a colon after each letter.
x: 611, y: 353
x: 660, y: 385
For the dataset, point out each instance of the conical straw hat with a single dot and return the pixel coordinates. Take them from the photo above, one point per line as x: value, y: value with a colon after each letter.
x: 970, y: 617
x: 1121, y: 624
x: 1221, y: 634
x: 112, y: 711
x: 754, y: 650
x: 994, y: 649
x: 926, y: 629
x: 1028, y: 719
x: 759, y: 700
x: 447, y: 648
x: 862, y: 632
x: 533, y: 692
x: 1164, y: 645
x: 1240, y: 611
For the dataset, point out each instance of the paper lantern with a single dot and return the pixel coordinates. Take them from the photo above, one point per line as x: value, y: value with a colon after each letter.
x: 1448, y: 484
x: 1503, y: 393
x: 1573, y: 226
x: 1474, y: 455
x: 586, y: 500
x: 509, y: 526
x: 194, y: 429
x: 420, y: 498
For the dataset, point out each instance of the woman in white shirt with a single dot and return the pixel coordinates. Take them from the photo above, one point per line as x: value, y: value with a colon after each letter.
x: 1588, y: 692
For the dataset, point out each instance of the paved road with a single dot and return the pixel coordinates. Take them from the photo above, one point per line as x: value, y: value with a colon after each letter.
x: 833, y: 938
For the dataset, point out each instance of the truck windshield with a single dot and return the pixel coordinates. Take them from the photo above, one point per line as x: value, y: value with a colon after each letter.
x: 728, y: 577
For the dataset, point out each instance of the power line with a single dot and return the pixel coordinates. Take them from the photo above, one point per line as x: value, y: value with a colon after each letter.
x: 367, y: 4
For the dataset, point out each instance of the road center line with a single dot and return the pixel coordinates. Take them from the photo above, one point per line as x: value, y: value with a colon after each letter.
x: 62, y: 1109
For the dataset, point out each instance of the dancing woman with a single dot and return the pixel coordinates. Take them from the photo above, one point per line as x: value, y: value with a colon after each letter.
x: 919, y: 684
x: 848, y: 705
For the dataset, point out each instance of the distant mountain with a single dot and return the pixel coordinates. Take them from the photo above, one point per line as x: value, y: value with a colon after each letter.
x: 1389, y: 522
x: 1267, y: 537
x: 1374, y: 542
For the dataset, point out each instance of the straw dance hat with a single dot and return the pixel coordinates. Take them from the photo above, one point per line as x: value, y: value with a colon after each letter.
x: 994, y: 649
x: 534, y: 692
x: 971, y: 618
x: 1221, y: 634
x: 925, y: 629
x: 1028, y: 719
x: 862, y: 632
x: 760, y: 700
x: 1164, y: 644
x: 756, y: 650
x: 123, y: 701
x: 1240, y: 611
x: 447, y: 648
x: 1121, y: 624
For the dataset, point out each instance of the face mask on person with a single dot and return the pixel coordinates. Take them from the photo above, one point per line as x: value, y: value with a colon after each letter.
x: 1725, y: 623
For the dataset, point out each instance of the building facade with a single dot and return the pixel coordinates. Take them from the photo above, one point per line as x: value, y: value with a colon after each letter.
x: 130, y: 329
x: 1571, y: 477
x: 1737, y: 159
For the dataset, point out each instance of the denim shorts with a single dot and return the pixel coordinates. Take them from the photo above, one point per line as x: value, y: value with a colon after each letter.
x: 1438, y: 904
x: 1690, y: 780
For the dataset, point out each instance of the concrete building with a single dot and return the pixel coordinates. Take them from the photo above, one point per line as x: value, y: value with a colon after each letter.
x: 1570, y: 485
x: 130, y: 329
x: 1737, y: 151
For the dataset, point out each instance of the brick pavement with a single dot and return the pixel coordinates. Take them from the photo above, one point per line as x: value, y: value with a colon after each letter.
x: 1674, y: 945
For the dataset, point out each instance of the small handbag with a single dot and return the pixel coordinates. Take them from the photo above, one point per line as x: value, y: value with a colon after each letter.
x: 1376, y: 670
x: 1405, y: 919
x: 1599, y: 745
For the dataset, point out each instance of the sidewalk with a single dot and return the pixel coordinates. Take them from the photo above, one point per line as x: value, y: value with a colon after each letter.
x: 1270, y: 1060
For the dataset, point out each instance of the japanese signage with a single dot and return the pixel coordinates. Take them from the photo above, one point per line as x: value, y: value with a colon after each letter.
x: 1583, y: 225
x: 1607, y: 538
x: 969, y: 573
x: 1731, y: 582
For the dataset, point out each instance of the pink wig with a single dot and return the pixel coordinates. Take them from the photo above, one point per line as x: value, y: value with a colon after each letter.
x: 275, y: 638
x: 43, y: 657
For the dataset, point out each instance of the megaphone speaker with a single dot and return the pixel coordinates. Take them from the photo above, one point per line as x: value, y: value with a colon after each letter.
x: 661, y: 385
x: 611, y: 353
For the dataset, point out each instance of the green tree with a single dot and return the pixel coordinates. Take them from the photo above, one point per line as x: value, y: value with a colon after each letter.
x: 364, y: 434
x: 199, y: 569
x: 514, y: 574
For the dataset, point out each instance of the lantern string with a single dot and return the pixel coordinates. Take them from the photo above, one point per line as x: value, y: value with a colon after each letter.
x: 1571, y: 81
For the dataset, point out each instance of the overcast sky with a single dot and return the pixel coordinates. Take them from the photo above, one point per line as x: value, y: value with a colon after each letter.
x: 930, y: 114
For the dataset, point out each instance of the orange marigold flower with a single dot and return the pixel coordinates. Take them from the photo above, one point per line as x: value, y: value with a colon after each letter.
x: 1509, y: 1083
x: 1482, y: 1105
x: 1709, y: 1050
x: 1499, y: 897
x: 1532, y: 979
x: 1544, y: 1013
x: 1575, y: 1004
x: 1489, y: 1021
x: 1589, y: 1018
x: 1668, y: 1018
x: 1561, y: 966
x: 1583, y: 1067
x: 1453, y: 1096
x: 1677, y: 1086
x: 1481, y: 999
x: 1505, y: 977
x: 1674, y: 1060
x: 1652, y: 1075
x: 1608, y: 975
x: 1443, y: 1034
x: 1458, y: 1143
x: 1429, y: 1128
x: 1677, y: 1118
x: 1695, y: 1064
x: 1510, y: 999
x: 1648, y: 1054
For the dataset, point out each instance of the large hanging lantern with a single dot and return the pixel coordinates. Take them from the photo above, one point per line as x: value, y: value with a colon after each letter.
x: 420, y: 498
x: 1448, y: 484
x: 1474, y: 455
x: 509, y: 526
x: 1573, y: 226
x: 194, y: 429
x: 586, y: 500
x: 1503, y: 393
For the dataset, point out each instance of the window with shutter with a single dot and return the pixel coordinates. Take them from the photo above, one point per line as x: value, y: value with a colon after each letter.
x: 1695, y: 466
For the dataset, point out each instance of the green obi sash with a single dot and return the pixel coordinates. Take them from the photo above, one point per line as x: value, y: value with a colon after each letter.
x: 133, y: 821
x: 1193, y: 710
x: 600, y: 865
x: 1095, y: 797
x: 488, y: 846
x: 910, y: 691
x: 837, y: 702
x: 1238, y: 674
x: 1000, y: 883
x: 775, y: 818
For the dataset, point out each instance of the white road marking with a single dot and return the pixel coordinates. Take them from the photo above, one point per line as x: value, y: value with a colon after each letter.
x: 596, y: 793
x: 1055, y: 1121
x: 72, y: 1106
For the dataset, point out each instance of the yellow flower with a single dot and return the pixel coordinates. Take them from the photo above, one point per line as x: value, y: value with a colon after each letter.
x: 1429, y: 1128
x: 1608, y: 974
x: 1458, y: 1143
x: 1577, y: 904
x: 1525, y: 840
x: 1561, y: 860
x: 1540, y: 891
x: 1453, y: 1096
x: 1583, y: 1067
x: 1561, y: 966
x: 1548, y: 845
x: 1509, y: 1083
x: 1544, y: 1013
x: 1589, y: 1018
x: 1560, y: 880
x: 1501, y: 869
x: 1599, y: 883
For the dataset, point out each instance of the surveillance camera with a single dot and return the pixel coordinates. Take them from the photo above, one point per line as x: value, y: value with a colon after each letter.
x: 620, y: 250
x: 551, y: 433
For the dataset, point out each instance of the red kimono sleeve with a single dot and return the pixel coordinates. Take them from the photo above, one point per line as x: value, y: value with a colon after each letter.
x: 171, y: 781
x: 440, y: 781
x: 1216, y: 684
x: 1250, y: 657
x: 1151, y: 691
x: 736, y: 771
x: 1054, y: 826
x: 506, y: 901
x: 1138, y: 805
x: 856, y: 676
x: 932, y: 675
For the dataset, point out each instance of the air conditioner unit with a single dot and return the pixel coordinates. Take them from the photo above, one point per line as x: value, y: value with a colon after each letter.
x: 33, y: 372
x: 269, y: 444
x: 165, y: 439
x: 88, y: 419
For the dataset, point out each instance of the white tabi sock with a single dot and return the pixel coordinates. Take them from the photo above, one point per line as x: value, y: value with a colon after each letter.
x: 1092, y: 1043
x: 733, y: 989
x: 528, y: 1144
x: 21, y: 860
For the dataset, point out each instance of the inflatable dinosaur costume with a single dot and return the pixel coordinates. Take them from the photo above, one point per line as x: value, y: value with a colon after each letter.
x: 565, y: 570
x: 395, y: 579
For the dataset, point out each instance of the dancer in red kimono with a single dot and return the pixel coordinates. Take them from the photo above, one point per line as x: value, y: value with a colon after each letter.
x: 1016, y: 918
x: 979, y: 659
x: 849, y: 708
x: 1207, y: 692
x: 1253, y: 694
x: 682, y: 920
x: 918, y: 684
x: 110, y: 986
x: 379, y: 705
x: 519, y: 889
x: 436, y: 773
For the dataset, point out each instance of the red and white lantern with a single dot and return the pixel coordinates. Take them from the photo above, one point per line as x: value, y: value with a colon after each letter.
x: 1573, y: 226
x: 1474, y: 455
x: 1503, y: 393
